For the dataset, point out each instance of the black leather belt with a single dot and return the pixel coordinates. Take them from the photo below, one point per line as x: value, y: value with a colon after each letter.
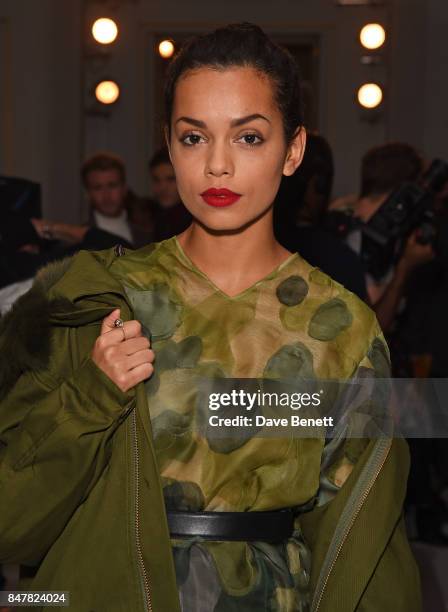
x: 271, y: 526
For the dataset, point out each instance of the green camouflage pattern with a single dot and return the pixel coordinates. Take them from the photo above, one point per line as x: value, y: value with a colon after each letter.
x: 295, y: 322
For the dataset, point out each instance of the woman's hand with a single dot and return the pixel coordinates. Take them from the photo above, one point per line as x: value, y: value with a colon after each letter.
x: 123, y: 353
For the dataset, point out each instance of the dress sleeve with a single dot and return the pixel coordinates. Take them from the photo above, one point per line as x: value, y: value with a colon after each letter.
x: 55, y: 440
x: 361, y: 413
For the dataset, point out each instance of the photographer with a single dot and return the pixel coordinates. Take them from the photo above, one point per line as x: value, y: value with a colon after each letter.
x: 391, y: 178
x: 384, y: 169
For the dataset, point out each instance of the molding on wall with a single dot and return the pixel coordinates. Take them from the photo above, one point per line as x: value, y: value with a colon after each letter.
x: 273, y: 27
x: 6, y: 99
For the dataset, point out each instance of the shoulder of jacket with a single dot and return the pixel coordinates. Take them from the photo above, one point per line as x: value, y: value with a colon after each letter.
x: 51, y: 273
x: 26, y: 327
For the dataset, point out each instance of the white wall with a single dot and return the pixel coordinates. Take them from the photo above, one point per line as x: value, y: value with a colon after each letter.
x: 48, y: 132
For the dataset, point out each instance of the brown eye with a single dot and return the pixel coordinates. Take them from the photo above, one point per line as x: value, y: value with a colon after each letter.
x: 191, y: 139
x: 251, y: 139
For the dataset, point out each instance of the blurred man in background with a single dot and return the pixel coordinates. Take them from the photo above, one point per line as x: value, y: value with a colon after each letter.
x: 110, y: 209
x: 104, y: 180
x: 27, y: 244
x: 112, y: 205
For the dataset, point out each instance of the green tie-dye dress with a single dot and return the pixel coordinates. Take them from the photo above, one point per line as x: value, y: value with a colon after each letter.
x: 297, y: 322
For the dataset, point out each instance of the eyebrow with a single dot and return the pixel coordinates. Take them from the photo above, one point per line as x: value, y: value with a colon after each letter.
x: 233, y: 123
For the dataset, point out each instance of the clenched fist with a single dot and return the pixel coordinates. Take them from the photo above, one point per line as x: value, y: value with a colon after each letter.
x: 123, y: 353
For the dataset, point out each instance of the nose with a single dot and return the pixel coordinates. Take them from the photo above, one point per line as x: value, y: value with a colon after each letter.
x: 219, y: 160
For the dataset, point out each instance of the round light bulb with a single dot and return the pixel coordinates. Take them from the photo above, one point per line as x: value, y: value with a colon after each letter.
x: 166, y: 48
x: 372, y: 36
x: 370, y: 95
x: 107, y: 92
x: 105, y: 30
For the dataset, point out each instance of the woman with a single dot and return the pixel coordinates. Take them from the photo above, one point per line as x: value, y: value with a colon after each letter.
x: 99, y: 425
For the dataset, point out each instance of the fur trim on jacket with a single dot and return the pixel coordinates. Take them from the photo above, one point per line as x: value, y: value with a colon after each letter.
x: 25, y: 330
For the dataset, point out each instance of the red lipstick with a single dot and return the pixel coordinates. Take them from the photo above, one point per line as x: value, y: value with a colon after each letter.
x: 220, y: 197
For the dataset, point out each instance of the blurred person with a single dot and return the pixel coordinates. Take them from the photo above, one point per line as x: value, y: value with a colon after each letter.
x: 141, y: 215
x: 383, y: 169
x: 22, y: 249
x: 300, y: 208
x: 32, y: 243
x: 407, y: 302
x: 26, y: 244
x: 104, y: 180
x: 418, y: 345
x: 170, y: 215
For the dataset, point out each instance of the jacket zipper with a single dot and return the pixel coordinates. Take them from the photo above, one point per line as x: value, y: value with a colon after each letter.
x: 349, y: 514
x: 143, y: 572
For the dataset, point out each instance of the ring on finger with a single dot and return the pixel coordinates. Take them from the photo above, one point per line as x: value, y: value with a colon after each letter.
x: 119, y: 323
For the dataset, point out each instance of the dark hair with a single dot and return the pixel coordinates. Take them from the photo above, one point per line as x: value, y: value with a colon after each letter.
x: 386, y: 167
x: 161, y: 156
x: 103, y: 161
x: 317, y: 164
x: 242, y: 45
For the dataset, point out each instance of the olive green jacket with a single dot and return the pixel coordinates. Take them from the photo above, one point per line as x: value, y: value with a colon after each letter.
x: 80, y: 492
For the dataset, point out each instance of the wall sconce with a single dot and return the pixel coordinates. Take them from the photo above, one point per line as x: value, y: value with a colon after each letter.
x: 372, y: 36
x: 105, y: 30
x: 166, y: 49
x: 370, y: 95
x: 107, y: 92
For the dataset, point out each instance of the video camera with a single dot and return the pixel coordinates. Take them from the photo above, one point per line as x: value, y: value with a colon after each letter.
x: 408, y: 208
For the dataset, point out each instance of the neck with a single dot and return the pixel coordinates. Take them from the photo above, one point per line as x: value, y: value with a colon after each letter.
x: 234, y: 260
x: 367, y: 206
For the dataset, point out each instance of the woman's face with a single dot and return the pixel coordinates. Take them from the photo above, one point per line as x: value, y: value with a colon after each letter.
x: 227, y: 134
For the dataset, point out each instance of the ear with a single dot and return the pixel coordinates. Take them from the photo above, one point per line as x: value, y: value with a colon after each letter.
x: 167, y: 141
x: 295, y: 152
